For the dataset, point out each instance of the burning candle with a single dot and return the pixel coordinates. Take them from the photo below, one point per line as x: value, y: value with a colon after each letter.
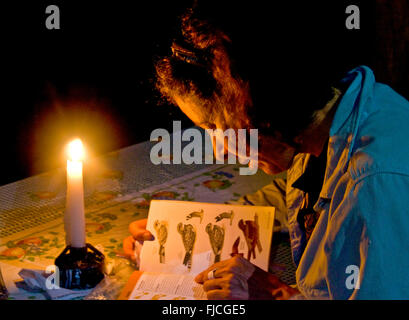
x: 74, y: 219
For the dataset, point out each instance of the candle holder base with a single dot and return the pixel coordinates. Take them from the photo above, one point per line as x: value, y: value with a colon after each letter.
x: 80, y: 268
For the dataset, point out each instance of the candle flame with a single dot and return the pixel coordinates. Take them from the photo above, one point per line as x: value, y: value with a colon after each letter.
x: 76, y: 150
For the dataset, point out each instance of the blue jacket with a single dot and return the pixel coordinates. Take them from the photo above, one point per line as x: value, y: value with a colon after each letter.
x: 359, y: 248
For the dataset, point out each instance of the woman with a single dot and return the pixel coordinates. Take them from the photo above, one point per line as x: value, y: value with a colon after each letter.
x: 332, y: 130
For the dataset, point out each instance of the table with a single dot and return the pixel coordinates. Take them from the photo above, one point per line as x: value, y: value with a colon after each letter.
x: 118, y: 188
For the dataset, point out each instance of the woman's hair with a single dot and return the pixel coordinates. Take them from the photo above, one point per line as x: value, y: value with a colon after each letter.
x: 271, y: 63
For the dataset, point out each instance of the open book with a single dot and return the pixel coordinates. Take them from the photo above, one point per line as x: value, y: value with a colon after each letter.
x: 192, y: 236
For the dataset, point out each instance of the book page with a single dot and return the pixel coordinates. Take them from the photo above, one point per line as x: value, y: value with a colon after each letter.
x: 160, y: 286
x: 192, y: 236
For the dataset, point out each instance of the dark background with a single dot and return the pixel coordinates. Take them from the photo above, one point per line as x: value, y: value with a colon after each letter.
x: 93, y: 78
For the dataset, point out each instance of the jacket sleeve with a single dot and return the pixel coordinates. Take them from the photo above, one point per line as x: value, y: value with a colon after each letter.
x: 366, y: 247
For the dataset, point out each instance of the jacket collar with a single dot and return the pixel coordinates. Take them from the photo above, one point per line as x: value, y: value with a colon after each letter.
x: 344, y: 128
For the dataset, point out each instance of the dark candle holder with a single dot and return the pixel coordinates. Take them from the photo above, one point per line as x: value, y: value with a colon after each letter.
x: 80, y: 268
x: 4, y: 294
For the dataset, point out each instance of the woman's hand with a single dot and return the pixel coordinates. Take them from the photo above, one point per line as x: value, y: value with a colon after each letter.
x: 237, y: 278
x: 138, y: 233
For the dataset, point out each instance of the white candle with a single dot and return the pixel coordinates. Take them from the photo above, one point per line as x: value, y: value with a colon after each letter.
x: 74, y: 219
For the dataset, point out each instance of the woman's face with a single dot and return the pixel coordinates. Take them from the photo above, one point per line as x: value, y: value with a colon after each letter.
x: 274, y: 156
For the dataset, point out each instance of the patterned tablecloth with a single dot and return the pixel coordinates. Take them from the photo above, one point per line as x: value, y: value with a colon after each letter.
x: 118, y: 188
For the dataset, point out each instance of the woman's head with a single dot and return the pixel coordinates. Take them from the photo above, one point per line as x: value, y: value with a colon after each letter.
x: 249, y: 66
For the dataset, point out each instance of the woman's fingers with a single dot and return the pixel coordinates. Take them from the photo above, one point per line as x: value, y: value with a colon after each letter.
x: 212, y: 284
x: 139, y: 232
x: 228, y: 279
x: 203, y: 276
x: 132, y: 245
x: 235, y: 265
x: 229, y: 286
x: 128, y: 246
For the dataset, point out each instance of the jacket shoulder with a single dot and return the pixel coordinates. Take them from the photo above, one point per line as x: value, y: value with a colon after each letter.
x: 382, y: 141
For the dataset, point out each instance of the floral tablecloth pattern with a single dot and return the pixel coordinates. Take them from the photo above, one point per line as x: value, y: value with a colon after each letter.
x: 119, y: 188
